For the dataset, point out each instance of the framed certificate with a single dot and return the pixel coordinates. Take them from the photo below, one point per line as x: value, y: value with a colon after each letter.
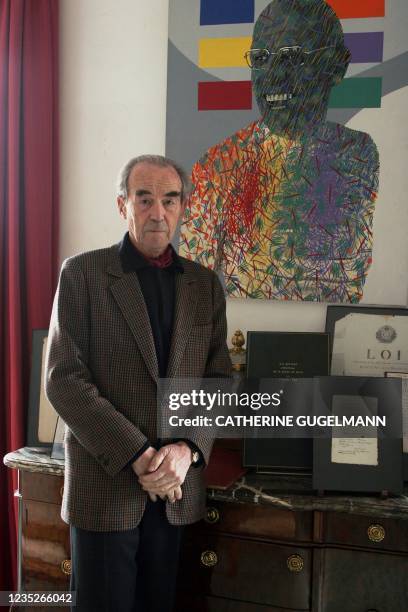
x: 362, y: 449
x: 404, y: 392
x: 367, y: 340
x: 370, y: 341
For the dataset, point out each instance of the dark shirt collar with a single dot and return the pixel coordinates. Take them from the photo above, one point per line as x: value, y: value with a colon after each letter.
x: 132, y: 259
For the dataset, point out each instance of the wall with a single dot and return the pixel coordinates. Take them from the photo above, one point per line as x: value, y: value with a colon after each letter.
x: 113, y: 92
x: 113, y: 100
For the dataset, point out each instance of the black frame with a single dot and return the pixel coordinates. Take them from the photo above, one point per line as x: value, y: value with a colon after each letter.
x: 282, y: 454
x: 58, y: 449
x: 337, y: 312
x: 33, y: 415
x: 388, y: 474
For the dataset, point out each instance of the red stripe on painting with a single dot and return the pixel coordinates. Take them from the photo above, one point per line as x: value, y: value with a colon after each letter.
x: 227, y: 95
x: 355, y: 9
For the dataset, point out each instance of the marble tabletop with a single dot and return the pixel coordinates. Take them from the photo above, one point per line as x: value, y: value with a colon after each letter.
x: 34, y: 460
x: 290, y: 492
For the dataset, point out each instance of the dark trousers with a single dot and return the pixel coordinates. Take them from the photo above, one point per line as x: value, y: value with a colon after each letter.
x: 127, y: 571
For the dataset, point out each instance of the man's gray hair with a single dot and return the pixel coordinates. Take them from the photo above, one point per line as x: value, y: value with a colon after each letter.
x: 155, y: 160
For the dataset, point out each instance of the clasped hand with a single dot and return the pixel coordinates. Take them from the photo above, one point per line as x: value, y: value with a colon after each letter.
x: 161, y: 473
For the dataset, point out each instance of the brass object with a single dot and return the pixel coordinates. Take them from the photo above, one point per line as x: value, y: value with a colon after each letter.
x: 209, y: 558
x: 295, y: 563
x: 66, y: 567
x: 212, y: 516
x: 376, y: 533
x: 238, y: 353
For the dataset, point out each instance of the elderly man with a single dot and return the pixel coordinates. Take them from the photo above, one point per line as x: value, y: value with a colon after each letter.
x: 123, y: 317
x: 284, y: 207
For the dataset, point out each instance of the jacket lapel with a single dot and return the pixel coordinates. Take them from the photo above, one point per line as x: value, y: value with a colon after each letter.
x: 129, y: 297
x: 184, y: 314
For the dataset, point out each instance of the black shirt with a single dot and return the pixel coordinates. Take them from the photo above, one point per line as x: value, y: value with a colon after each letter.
x: 158, y: 288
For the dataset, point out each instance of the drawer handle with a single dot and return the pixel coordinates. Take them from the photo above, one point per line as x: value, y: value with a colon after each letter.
x: 295, y: 563
x: 209, y: 558
x: 212, y: 516
x: 66, y: 567
x: 62, y: 491
x: 376, y: 533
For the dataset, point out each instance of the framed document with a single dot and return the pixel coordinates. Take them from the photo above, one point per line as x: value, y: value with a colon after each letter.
x: 42, y: 418
x: 367, y: 340
x: 404, y: 382
x: 370, y: 341
x: 362, y: 449
x: 287, y: 354
x: 284, y: 355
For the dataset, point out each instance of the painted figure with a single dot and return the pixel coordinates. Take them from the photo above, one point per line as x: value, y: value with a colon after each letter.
x: 284, y: 207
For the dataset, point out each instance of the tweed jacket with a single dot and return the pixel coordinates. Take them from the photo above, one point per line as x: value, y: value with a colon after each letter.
x: 101, y: 377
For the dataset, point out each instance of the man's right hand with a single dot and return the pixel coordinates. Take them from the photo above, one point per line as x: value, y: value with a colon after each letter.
x: 140, y: 467
x: 142, y: 463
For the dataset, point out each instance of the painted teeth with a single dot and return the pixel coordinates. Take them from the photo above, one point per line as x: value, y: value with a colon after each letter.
x: 278, y: 97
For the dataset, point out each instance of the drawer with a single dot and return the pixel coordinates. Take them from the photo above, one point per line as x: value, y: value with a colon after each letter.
x: 259, y: 521
x: 46, y: 547
x: 355, y: 581
x: 376, y: 533
x: 42, y: 487
x: 245, y: 570
x: 191, y: 603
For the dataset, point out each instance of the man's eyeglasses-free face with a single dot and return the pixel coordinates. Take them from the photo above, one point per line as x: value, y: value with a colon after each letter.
x: 257, y: 59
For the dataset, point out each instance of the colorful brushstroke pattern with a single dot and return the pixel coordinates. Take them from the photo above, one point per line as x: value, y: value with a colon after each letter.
x: 285, y: 219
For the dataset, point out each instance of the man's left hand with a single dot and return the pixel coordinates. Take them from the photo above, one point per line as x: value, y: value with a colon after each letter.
x: 167, y: 469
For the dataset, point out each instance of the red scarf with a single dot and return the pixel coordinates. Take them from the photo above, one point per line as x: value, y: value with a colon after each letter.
x: 162, y: 261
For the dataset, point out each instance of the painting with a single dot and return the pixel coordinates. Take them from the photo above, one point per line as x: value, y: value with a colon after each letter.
x: 285, y: 191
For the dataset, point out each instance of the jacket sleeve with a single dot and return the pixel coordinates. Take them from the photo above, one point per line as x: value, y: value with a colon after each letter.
x: 218, y: 363
x: 97, y: 425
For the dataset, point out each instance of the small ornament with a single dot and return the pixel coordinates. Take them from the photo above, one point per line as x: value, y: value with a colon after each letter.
x: 238, y: 353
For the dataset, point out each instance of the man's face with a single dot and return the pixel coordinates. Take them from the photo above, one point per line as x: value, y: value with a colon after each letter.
x: 153, y: 207
x: 291, y: 86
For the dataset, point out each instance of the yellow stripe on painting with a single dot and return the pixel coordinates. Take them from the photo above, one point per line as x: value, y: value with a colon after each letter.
x: 223, y: 52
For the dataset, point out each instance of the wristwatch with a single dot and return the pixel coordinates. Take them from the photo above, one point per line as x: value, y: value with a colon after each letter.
x: 195, y: 457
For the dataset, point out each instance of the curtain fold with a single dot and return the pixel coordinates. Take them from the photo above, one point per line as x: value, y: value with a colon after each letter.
x: 29, y: 191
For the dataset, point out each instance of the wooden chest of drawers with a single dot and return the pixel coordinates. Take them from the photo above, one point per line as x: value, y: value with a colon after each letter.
x: 261, y: 558
x: 46, y: 563
x: 292, y: 552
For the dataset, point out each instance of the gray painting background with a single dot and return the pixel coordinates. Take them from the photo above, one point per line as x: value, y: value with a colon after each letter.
x: 189, y: 132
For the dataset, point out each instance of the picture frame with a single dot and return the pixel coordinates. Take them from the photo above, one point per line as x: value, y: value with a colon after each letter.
x: 337, y: 312
x: 284, y: 355
x: 41, y: 416
x: 404, y: 378
x: 370, y: 462
x: 58, y: 450
x: 369, y: 341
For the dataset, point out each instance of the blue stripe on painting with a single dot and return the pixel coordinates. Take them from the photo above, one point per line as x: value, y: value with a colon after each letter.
x: 214, y: 12
x: 365, y: 47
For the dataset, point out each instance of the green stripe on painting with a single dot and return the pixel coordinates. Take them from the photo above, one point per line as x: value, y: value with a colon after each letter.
x: 363, y: 92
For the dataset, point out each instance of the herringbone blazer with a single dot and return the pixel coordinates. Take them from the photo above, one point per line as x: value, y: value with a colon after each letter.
x: 101, y: 377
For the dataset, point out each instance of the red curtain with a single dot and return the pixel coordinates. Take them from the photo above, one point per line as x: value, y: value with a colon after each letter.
x: 28, y: 223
